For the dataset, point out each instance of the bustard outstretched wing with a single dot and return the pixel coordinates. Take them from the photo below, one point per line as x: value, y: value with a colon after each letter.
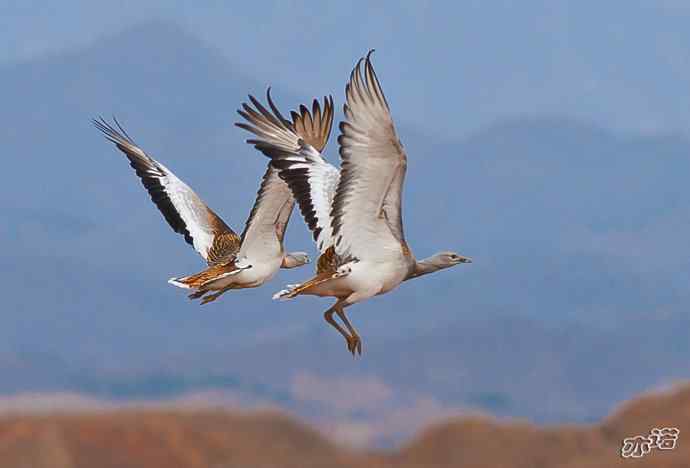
x: 184, y: 211
x: 294, y: 148
x: 367, y: 212
x: 269, y: 216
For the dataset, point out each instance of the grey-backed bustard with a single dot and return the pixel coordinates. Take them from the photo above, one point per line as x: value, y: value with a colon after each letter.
x: 354, y: 213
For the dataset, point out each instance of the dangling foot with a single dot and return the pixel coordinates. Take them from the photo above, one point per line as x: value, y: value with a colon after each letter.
x: 197, y: 294
x: 354, y: 344
x: 344, y: 270
x: 211, y: 298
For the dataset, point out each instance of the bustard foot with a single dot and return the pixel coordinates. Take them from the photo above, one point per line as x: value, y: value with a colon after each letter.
x: 197, y: 294
x: 354, y: 344
x: 211, y: 297
x: 344, y: 270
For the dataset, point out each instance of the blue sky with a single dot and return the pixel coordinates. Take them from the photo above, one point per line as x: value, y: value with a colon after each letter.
x: 458, y: 65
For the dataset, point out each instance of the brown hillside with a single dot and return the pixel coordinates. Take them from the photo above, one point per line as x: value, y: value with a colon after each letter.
x: 480, y: 443
x: 166, y: 439
x: 219, y: 439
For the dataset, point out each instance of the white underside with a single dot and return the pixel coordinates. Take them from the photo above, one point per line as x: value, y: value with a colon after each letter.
x: 365, y: 279
x: 249, y: 277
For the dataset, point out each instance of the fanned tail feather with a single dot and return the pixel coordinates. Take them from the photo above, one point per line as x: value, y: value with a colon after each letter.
x: 208, y: 276
x: 293, y: 290
x: 284, y: 294
x: 179, y: 282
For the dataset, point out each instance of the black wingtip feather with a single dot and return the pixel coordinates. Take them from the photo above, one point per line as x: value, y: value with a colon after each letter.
x: 160, y: 198
x: 145, y: 170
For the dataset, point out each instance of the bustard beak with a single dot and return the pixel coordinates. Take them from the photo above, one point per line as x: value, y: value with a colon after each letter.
x: 465, y: 260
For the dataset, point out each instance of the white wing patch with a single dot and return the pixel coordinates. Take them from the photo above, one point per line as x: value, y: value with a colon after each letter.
x: 182, y: 208
x: 189, y: 207
x: 311, y: 179
x: 313, y: 182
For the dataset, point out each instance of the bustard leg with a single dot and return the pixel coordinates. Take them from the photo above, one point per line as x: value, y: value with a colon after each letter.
x: 197, y: 294
x: 213, y: 297
x: 355, y: 342
x: 328, y: 316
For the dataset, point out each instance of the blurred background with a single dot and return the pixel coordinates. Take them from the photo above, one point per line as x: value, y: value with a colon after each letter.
x: 548, y: 140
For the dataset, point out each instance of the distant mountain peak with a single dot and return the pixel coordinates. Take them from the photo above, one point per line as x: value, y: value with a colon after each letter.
x: 151, y: 36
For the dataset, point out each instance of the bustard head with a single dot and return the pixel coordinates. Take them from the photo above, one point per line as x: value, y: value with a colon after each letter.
x: 295, y: 259
x: 448, y: 259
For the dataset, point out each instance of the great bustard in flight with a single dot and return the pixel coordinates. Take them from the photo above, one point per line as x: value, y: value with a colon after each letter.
x: 234, y: 262
x: 354, y: 213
